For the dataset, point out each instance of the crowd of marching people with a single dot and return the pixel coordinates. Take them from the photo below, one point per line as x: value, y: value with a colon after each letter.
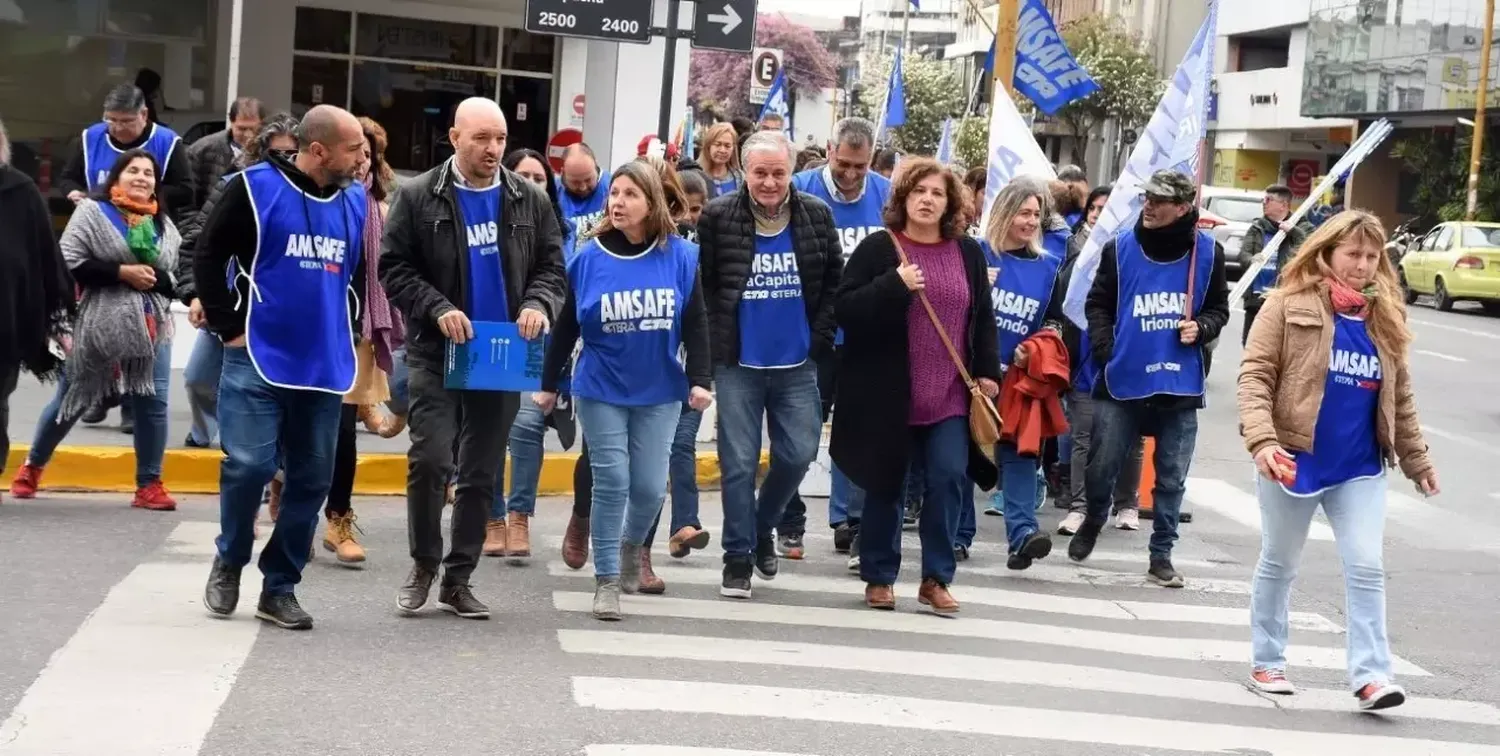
x: 917, y: 310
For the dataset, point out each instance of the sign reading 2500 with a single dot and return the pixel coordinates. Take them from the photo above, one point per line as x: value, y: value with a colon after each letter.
x: 613, y: 20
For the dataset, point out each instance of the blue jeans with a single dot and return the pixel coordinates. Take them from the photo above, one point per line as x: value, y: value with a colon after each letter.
x: 201, y: 379
x: 261, y: 426
x: 1018, y: 488
x: 629, y: 448
x: 787, y: 401
x: 684, y: 470
x: 1356, y: 511
x: 944, y: 449
x: 150, y: 422
x: 846, y: 501
x: 525, y: 462
x: 1117, y: 429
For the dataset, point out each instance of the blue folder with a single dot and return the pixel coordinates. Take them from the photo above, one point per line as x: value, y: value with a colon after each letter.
x: 496, y: 359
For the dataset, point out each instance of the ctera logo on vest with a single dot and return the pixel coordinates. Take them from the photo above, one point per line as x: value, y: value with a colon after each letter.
x: 486, y: 237
x: 637, y: 310
x: 317, y: 252
x: 1148, y: 307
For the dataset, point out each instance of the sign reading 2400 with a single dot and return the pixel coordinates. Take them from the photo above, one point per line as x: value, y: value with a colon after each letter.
x: 612, y: 20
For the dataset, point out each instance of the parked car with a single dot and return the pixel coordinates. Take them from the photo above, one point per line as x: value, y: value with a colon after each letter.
x: 1236, y: 208
x: 1453, y: 262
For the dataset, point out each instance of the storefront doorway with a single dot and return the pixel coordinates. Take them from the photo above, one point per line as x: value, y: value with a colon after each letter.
x: 410, y: 74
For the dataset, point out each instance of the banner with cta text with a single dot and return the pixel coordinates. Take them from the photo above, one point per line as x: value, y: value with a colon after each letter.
x: 1013, y: 152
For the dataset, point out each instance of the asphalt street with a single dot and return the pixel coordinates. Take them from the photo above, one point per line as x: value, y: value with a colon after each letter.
x: 104, y: 646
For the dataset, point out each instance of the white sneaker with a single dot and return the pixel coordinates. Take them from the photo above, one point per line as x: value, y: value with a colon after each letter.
x: 1070, y: 524
x: 854, y: 563
x: 1128, y: 519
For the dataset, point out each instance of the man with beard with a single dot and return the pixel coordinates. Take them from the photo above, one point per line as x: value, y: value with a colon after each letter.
x: 290, y: 231
x: 584, y: 188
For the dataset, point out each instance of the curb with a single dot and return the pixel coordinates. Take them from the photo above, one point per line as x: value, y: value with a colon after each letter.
x: 196, y: 471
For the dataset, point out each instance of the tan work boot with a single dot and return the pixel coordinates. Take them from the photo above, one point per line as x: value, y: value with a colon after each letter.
x: 494, y: 538
x: 575, y: 545
x: 518, y: 537
x: 340, y: 539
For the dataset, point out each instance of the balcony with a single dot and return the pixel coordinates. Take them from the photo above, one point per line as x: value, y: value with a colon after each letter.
x: 1268, y: 99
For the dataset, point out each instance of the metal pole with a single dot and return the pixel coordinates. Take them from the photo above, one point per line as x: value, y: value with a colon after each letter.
x: 906, y: 28
x: 885, y: 24
x: 1476, y: 149
x: 1007, y: 28
x: 668, y: 72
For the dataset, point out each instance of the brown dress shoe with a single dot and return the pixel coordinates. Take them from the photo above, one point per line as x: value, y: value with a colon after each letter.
x: 495, y: 538
x: 879, y: 596
x: 392, y: 425
x: 650, y: 582
x: 575, y: 545
x: 935, y: 595
x: 685, y: 540
x: 518, y: 537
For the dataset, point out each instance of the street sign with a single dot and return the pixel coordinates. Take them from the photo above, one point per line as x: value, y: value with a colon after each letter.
x: 615, y: 21
x: 727, y: 25
x: 765, y: 63
x: 558, y: 145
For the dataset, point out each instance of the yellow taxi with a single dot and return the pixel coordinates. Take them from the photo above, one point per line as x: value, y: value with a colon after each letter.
x: 1453, y: 262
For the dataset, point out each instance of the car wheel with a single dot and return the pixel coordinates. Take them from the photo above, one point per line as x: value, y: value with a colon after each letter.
x: 1406, y: 292
x: 1491, y: 306
x: 1440, y: 297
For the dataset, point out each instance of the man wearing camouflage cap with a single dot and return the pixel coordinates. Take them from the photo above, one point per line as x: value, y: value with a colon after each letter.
x: 1160, y: 295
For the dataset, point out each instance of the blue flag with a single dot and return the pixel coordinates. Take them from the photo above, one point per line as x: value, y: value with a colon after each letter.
x: 1046, y: 71
x: 776, y: 102
x: 945, y: 143
x: 895, y: 98
x: 1169, y: 141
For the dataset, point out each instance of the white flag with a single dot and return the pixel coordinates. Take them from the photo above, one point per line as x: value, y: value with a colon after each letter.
x: 1013, y: 151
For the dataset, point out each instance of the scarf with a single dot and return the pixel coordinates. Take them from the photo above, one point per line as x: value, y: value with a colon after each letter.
x: 119, y: 329
x: 767, y: 223
x: 1346, y: 299
x: 380, y: 326
x: 140, y: 220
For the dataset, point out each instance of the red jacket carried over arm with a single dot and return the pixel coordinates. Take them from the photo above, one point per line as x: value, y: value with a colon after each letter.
x: 1031, y: 397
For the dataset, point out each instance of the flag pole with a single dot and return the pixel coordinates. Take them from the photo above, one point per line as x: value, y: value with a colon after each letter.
x: 906, y: 28
x: 1007, y: 28
x: 1476, y: 146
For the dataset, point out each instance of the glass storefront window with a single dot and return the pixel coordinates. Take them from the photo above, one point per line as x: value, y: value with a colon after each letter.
x: 418, y: 39
x: 529, y: 52
x: 415, y: 104
x: 318, y: 81
x: 527, y: 103
x: 321, y: 30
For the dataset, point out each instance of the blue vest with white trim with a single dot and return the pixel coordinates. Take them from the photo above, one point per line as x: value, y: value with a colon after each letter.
x: 1149, y: 357
x: 100, y: 152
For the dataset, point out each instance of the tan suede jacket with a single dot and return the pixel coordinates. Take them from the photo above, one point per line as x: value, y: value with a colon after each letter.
x: 1283, y: 373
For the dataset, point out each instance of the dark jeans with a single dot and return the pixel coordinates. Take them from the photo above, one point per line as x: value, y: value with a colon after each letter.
x: 944, y: 448
x: 10, y: 375
x: 1127, y: 483
x: 1118, y: 427
x: 438, y: 418
x: 683, y: 470
x: 260, y: 427
x: 794, y: 520
x: 345, y: 459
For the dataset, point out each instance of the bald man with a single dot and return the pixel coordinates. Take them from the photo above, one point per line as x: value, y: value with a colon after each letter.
x: 466, y: 242
x: 582, y: 189
x: 289, y: 231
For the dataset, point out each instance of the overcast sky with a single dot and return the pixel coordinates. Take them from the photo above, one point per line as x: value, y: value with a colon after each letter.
x: 834, y: 8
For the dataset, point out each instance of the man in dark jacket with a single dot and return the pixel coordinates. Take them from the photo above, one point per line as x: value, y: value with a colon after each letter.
x: 1277, y: 206
x: 771, y: 262
x: 126, y: 126
x: 1158, y: 297
x: 466, y: 241
x: 35, y: 288
x: 213, y: 156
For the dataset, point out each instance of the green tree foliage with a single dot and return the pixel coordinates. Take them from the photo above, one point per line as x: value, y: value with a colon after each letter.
x: 973, y: 143
x: 933, y: 93
x: 1129, y: 84
x: 1440, y: 160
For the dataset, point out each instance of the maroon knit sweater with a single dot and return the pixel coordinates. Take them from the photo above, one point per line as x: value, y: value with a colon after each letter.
x: 937, y: 391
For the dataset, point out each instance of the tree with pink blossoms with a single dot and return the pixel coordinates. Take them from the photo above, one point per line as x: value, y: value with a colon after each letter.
x: 722, y: 79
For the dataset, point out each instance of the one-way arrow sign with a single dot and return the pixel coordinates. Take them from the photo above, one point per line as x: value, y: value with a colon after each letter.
x: 727, y: 25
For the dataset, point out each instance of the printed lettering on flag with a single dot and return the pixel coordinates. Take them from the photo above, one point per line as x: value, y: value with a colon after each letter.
x: 1045, y: 71
x: 1013, y: 151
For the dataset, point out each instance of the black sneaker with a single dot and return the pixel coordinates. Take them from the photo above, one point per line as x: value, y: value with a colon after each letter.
x: 767, y: 564
x: 283, y: 611
x: 843, y: 536
x: 222, y: 594
x: 1083, y: 541
x: 960, y: 552
x: 192, y: 443
x: 95, y: 414
x: 913, y: 512
x: 1164, y: 574
x: 413, y: 595
x: 790, y: 546
x: 736, y: 580
x: 1036, y: 546
x: 459, y: 600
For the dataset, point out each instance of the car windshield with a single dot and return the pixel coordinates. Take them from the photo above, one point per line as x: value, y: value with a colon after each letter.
x: 1235, y: 209
x: 1480, y: 236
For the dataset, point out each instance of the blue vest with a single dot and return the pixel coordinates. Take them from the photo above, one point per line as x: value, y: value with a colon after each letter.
x: 1055, y: 243
x: 479, y: 210
x: 774, y: 332
x: 581, y: 215
x: 854, y: 220
x: 729, y: 185
x: 630, y: 321
x: 1266, y: 278
x: 1020, y: 296
x: 297, y: 326
x: 1149, y: 356
x: 1344, y: 443
x: 100, y: 152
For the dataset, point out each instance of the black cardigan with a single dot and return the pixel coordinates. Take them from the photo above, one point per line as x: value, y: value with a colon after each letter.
x: 871, y: 434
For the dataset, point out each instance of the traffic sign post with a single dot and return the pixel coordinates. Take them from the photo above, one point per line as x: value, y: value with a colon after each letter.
x: 765, y: 63
x: 615, y: 21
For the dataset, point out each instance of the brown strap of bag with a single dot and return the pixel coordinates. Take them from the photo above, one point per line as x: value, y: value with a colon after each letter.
x: 963, y: 370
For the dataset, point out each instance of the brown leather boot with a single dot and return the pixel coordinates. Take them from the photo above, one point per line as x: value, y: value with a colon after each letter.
x: 685, y: 540
x: 575, y: 545
x: 650, y: 582
x: 518, y: 537
x: 392, y: 425
x: 935, y: 595
x: 495, y: 539
x: 879, y: 596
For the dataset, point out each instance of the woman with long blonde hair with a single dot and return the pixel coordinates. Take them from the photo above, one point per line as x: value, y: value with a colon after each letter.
x: 720, y: 159
x: 1326, y: 405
